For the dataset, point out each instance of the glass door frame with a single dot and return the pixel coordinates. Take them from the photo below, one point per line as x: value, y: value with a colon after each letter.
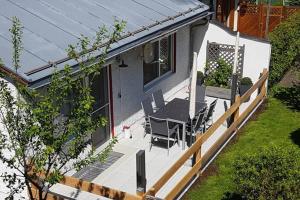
x: 108, y: 105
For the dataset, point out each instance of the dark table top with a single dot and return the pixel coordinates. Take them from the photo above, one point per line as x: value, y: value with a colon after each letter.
x: 177, y: 109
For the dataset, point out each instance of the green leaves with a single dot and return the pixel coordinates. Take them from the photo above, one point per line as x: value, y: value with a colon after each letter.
x: 48, y: 131
x: 273, y: 173
x: 16, y: 33
x: 293, y: 2
x: 285, y: 40
x: 220, y: 76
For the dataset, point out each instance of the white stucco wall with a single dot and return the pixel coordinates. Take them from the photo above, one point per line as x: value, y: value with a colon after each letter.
x: 4, y: 191
x: 129, y: 81
x: 257, y: 53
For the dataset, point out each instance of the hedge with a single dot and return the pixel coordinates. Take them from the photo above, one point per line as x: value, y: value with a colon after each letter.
x: 272, y: 173
x: 285, y: 40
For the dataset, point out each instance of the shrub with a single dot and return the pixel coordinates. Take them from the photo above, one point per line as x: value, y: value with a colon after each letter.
x: 272, y: 173
x: 220, y: 76
x: 293, y: 2
x: 273, y: 2
x: 200, y: 75
x: 285, y: 40
x: 246, y: 81
x: 289, y: 95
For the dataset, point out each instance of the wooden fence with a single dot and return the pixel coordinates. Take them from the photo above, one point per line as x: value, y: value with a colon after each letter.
x: 87, y: 186
x: 252, y: 18
x: 194, y: 150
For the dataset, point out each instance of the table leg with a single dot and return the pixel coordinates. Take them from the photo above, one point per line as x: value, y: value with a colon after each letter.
x: 183, y: 136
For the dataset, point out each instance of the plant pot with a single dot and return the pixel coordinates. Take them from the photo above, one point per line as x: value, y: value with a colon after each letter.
x: 200, y: 81
x: 244, y: 89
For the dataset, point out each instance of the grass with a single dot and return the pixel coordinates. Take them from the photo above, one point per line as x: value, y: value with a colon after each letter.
x: 277, y: 125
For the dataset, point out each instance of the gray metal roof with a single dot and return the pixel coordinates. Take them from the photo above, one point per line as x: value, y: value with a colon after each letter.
x: 51, y: 25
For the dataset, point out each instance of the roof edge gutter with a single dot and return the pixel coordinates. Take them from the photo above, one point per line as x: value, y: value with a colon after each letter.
x: 144, y: 28
x: 135, y: 43
x: 13, y: 75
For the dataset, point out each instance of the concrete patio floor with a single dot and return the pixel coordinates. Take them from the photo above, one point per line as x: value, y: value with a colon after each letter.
x: 121, y: 175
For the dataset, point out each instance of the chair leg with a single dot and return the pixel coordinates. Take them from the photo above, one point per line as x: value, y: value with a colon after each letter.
x: 145, y: 132
x: 178, y: 137
x: 168, y: 145
x: 150, y: 146
x: 146, y: 128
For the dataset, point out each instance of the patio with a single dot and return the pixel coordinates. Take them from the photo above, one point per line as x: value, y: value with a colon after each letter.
x: 121, y: 174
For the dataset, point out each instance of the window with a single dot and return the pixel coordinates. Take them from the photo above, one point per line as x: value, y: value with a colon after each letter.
x: 158, y: 58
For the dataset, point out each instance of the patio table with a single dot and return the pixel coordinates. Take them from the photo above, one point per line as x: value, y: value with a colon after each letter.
x: 177, y: 110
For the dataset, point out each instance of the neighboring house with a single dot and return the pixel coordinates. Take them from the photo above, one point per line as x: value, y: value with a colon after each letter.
x: 157, y: 53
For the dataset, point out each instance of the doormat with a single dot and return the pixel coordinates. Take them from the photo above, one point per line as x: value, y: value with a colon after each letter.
x: 90, y: 172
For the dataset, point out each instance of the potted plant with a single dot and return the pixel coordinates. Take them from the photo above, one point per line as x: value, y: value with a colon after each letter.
x: 217, y: 80
x: 245, y: 85
x: 200, y: 78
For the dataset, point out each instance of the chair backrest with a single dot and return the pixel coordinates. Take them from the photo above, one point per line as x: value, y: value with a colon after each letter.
x: 158, y: 99
x: 159, y: 126
x: 200, y: 119
x: 200, y: 93
x: 211, y: 109
x: 147, y: 106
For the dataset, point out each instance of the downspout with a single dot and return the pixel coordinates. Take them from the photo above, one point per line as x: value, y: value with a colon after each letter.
x: 236, y: 16
x: 192, y: 27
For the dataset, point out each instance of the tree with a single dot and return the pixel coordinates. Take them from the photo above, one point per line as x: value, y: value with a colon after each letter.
x: 272, y: 173
x: 37, y: 141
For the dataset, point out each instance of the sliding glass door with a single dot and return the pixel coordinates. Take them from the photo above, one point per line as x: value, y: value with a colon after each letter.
x: 100, y: 91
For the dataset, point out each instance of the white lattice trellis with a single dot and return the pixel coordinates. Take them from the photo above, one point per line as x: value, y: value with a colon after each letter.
x: 216, y: 52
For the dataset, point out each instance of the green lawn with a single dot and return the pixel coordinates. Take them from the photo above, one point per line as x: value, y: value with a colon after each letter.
x: 276, y: 125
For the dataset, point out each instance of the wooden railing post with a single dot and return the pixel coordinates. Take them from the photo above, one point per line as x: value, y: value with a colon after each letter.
x: 195, y: 149
x: 263, y: 87
x: 197, y: 154
x: 236, y: 114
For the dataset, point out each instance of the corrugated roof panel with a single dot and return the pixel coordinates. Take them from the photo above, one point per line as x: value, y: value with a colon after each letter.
x: 155, y: 6
x: 101, y: 13
x: 54, y: 17
x: 38, y: 26
x: 141, y: 10
x: 75, y: 13
x: 27, y: 59
x: 51, y: 25
x: 169, y: 4
x: 186, y: 4
x: 33, y: 43
x: 129, y: 15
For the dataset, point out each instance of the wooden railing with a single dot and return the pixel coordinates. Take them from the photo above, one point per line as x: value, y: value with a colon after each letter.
x: 87, y: 186
x: 195, y: 149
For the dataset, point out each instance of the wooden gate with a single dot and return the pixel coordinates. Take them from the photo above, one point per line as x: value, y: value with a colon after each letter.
x: 252, y: 18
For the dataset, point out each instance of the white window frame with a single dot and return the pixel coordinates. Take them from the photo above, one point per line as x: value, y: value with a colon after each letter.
x: 172, y: 66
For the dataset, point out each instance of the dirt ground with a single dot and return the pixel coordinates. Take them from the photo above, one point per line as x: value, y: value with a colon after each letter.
x: 292, y: 76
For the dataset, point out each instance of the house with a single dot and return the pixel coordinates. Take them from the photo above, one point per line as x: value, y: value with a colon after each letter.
x: 162, y: 27
x: 168, y: 30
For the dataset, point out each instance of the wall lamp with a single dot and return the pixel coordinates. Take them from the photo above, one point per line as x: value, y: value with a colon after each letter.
x: 123, y: 65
